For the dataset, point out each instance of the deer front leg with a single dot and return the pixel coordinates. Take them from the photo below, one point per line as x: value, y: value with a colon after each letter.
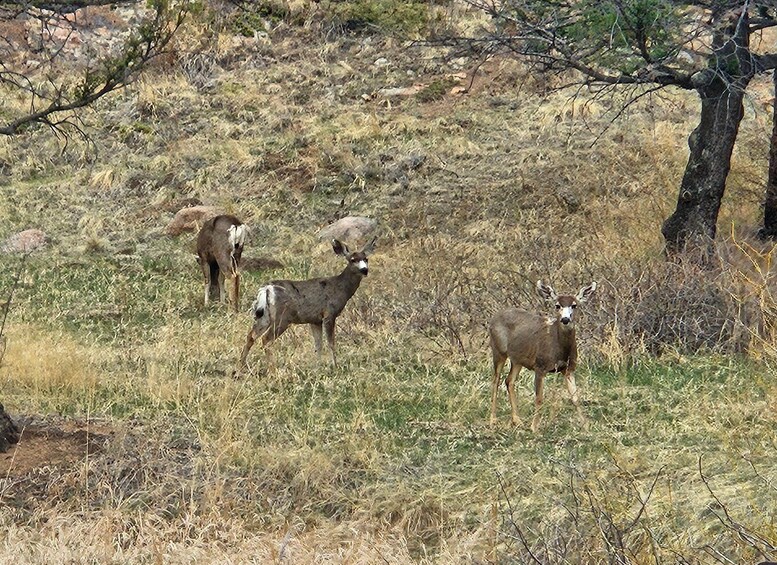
x: 250, y: 340
x: 539, y: 382
x: 329, y: 329
x: 569, y: 377
x: 315, y: 329
x: 514, y: 369
x: 499, y: 364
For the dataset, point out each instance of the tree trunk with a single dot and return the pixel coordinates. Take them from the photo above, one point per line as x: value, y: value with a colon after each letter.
x: 769, y: 228
x: 9, y: 433
x: 693, y: 224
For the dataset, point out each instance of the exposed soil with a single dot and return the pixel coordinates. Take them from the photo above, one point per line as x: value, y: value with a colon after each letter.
x: 49, y: 442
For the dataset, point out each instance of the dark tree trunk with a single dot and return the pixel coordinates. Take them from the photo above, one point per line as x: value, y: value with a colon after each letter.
x: 769, y: 229
x: 9, y: 433
x: 694, y: 222
x: 721, y: 88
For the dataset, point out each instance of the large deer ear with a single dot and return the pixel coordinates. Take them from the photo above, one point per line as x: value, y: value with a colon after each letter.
x: 546, y: 291
x: 340, y: 248
x: 370, y: 247
x: 585, y: 293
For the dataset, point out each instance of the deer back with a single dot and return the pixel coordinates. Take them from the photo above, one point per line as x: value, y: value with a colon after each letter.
x: 311, y: 301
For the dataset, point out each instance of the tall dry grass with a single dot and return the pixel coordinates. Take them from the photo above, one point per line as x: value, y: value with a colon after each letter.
x: 387, y: 458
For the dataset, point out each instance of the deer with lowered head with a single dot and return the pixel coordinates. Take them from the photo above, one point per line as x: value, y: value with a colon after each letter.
x: 219, y: 248
x: 316, y: 302
x: 544, y: 344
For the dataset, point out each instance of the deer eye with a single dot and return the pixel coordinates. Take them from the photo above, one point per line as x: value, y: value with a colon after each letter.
x: 558, y: 306
x: 574, y: 306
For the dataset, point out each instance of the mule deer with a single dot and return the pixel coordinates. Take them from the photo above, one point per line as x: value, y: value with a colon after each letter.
x: 539, y: 343
x: 316, y: 302
x: 219, y: 248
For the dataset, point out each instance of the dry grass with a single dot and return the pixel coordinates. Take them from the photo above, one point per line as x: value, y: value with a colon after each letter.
x: 387, y: 459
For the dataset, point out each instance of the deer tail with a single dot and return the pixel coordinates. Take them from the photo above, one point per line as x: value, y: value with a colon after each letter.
x: 237, y: 236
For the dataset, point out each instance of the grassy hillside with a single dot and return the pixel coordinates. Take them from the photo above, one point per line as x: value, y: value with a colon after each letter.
x: 164, y: 457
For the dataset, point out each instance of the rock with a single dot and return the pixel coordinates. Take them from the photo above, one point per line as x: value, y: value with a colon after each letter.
x: 191, y: 218
x: 9, y: 433
x: 24, y: 241
x: 351, y: 229
x: 401, y: 91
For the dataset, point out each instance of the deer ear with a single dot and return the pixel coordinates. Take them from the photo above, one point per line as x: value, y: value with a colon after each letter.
x: 546, y: 291
x: 340, y: 248
x: 370, y: 247
x: 585, y: 293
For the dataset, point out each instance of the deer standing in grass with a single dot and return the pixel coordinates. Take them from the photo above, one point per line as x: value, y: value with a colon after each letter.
x: 219, y: 248
x: 540, y: 343
x: 316, y: 302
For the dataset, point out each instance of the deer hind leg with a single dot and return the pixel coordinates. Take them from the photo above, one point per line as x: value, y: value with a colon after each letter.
x: 222, y: 290
x: 234, y: 291
x: 210, y: 272
x: 514, y: 370
x: 539, y: 383
x: 499, y: 363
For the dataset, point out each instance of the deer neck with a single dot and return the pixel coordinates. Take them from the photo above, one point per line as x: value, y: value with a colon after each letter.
x: 349, y: 280
x: 565, y: 338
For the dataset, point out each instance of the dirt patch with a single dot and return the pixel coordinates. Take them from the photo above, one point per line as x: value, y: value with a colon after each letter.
x: 52, y: 443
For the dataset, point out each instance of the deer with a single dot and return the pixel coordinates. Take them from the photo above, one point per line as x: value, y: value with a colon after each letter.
x: 316, y: 302
x: 220, y: 245
x: 544, y: 344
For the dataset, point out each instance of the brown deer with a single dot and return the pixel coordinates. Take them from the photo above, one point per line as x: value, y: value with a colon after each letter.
x: 219, y: 248
x: 539, y: 343
x: 316, y: 302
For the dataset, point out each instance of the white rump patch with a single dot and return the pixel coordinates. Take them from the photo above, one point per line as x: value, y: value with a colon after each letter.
x: 237, y: 235
x: 264, y: 298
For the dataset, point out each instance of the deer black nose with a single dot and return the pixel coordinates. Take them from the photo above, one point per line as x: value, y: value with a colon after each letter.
x: 364, y: 271
x: 565, y: 320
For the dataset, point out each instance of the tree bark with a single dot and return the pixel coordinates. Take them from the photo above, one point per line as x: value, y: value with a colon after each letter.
x: 721, y: 87
x: 769, y: 228
x: 694, y: 222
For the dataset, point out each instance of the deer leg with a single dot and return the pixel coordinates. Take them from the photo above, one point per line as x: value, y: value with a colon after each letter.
x: 329, y: 329
x: 222, y: 290
x: 234, y: 291
x: 206, y: 273
x: 250, y: 340
x: 569, y: 377
x: 539, y: 381
x: 316, y: 331
x: 499, y: 363
x: 514, y: 369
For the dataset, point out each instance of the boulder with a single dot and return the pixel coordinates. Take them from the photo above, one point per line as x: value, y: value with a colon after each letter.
x: 351, y: 229
x: 191, y: 219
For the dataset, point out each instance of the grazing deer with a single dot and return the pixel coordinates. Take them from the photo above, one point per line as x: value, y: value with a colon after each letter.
x: 316, y: 302
x: 539, y: 343
x: 219, y: 247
